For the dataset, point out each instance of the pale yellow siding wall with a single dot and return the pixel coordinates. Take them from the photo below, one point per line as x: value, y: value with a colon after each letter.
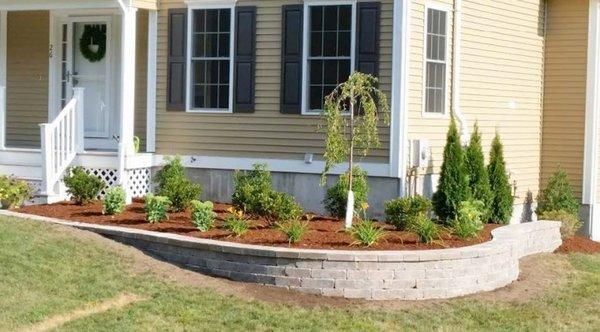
x: 267, y: 132
x: 501, y: 83
x: 565, y: 92
x: 141, y: 77
x: 26, y: 77
x: 146, y: 4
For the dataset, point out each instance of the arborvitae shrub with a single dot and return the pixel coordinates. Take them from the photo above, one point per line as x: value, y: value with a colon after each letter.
x: 337, y: 196
x: 502, y: 202
x: 558, y: 195
x: 479, y: 181
x: 453, y: 186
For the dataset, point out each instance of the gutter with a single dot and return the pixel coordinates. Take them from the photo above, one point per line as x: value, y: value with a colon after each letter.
x: 456, y: 70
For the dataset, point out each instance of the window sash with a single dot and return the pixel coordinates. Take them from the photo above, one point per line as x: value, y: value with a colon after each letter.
x: 435, y: 64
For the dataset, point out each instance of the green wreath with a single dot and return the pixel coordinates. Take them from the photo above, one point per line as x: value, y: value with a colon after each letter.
x: 93, y: 42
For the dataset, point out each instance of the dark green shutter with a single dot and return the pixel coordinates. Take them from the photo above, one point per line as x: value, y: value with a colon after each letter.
x: 245, y: 59
x: 291, y: 59
x: 367, y: 37
x: 177, y: 60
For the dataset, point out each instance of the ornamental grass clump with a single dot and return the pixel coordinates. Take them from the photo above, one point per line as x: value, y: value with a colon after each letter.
x: 502, y: 201
x: 468, y: 222
x: 172, y: 183
x: 366, y: 233
x: 203, y: 215
x: 453, y: 185
x: 81, y: 186
x: 336, y: 197
x: 401, y: 212
x: 558, y: 195
x: 425, y: 228
x: 237, y: 222
x: 294, y: 230
x: 479, y: 181
x: 156, y: 208
x: 352, y: 114
x: 114, y: 201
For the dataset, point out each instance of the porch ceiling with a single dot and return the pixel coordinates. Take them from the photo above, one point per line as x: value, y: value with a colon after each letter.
x: 72, y: 4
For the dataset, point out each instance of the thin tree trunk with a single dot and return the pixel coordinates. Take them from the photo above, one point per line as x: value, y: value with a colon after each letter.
x: 350, y: 200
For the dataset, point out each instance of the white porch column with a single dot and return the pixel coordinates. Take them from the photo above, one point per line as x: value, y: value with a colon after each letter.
x: 128, y: 53
x: 3, y: 50
x: 151, y: 81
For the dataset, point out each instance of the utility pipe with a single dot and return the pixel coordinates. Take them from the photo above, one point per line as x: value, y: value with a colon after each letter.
x: 456, y: 50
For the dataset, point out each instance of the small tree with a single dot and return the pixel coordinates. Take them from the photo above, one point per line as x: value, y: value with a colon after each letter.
x: 479, y: 181
x: 352, y: 113
x: 453, y: 185
x: 502, y: 202
x: 558, y: 195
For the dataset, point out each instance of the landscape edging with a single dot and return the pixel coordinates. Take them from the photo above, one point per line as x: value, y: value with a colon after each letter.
x: 376, y: 275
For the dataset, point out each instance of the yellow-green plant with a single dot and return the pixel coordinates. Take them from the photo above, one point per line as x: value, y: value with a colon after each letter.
x: 203, y: 216
x: 114, y: 201
x: 156, y: 208
x: 14, y: 192
x: 352, y: 113
x: 237, y: 222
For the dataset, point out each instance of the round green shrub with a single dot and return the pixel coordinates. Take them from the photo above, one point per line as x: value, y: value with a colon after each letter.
x: 114, y: 201
x: 558, y: 195
x: 337, y: 196
x: 401, y: 211
x: 81, y: 186
x: 172, y: 183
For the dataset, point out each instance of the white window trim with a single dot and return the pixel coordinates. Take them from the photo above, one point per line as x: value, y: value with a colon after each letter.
x: 446, y: 113
x: 305, y: 46
x: 188, y: 102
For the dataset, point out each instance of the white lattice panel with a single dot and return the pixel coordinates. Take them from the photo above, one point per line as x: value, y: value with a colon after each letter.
x: 110, y: 177
x: 139, y: 181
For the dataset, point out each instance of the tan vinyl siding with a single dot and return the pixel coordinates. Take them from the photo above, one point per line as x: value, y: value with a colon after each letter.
x: 141, y: 77
x: 26, y: 77
x: 565, y: 93
x: 145, y: 4
x: 267, y: 132
x: 501, y: 83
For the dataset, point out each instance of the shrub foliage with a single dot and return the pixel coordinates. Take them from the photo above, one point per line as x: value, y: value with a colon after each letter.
x: 479, y: 181
x: 172, y: 183
x: 401, y: 212
x: 156, y: 208
x: 453, y: 186
x: 83, y: 187
x: 502, y: 202
x: 570, y: 223
x: 425, y: 228
x: 114, y: 201
x: 203, y: 215
x: 14, y: 192
x: 468, y: 221
x: 336, y: 197
x: 558, y: 195
x: 237, y: 222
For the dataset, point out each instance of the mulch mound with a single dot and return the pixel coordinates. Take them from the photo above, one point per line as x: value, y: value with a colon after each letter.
x: 324, y: 233
x: 579, y: 244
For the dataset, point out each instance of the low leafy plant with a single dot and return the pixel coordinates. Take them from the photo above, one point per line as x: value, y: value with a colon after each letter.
x: 468, y: 221
x: 172, y: 183
x: 366, y: 233
x: 570, y: 223
x: 156, y: 208
x: 293, y: 229
x: 81, y: 186
x: 114, y: 201
x: 425, y: 228
x: 283, y: 207
x: 558, y: 195
x: 401, y: 211
x: 253, y: 190
x: 203, y: 215
x: 337, y: 196
x: 237, y: 223
x: 14, y: 192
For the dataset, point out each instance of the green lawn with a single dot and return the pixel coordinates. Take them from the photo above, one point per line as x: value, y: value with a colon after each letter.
x: 46, y: 271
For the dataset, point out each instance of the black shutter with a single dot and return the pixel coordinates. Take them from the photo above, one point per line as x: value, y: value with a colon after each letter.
x: 291, y: 59
x: 177, y: 60
x: 367, y: 44
x: 245, y: 54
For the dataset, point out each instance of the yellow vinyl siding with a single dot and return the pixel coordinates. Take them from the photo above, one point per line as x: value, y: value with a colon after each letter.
x: 141, y: 77
x: 145, y: 4
x: 266, y: 132
x: 565, y: 91
x: 26, y: 77
x: 501, y: 82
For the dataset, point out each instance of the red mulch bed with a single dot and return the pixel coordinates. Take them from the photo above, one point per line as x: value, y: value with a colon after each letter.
x: 579, y: 244
x: 324, y: 233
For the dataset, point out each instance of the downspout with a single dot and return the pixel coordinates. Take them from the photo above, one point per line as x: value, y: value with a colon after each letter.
x: 456, y: 54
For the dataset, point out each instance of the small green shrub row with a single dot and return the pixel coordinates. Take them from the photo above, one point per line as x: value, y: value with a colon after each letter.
x: 172, y: 183
x: 81, y: 186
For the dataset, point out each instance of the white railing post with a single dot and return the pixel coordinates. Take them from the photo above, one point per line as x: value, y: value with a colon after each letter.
x: 47, y: 159
x: 78, y: 95
x: 2, y: 118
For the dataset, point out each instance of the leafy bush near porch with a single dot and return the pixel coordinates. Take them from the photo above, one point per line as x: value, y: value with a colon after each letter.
x: 468, y: 221
x: 14, y: 192
x: 293, y: 229
x: 401, y: 212
x: 81, y: 186
x: 502, y: 202
x: 203, y: 216
x: 558, y: 195
x: 453, y: 186
x: 479, y: 181
x: 254, y: 194
x: 425, y: 228
x: 114, y: 201
x: 337, y: 196
x: 570, y: 223
x: 172, y: 183
x: 156, y: 208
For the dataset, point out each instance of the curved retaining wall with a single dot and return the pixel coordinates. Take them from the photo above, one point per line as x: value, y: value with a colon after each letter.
x: 376, y: 275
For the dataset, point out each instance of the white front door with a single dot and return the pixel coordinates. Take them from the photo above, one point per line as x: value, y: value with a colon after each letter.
x: 86, y: 63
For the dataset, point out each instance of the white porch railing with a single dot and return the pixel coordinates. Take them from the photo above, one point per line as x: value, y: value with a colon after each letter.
x: 61, y: 140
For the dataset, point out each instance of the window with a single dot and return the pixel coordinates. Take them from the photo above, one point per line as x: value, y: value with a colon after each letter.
x: 330, y: 53
x: 436, y: 40
x: 210, y: 60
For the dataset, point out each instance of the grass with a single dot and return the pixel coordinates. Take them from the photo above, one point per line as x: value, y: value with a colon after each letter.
x: 45, y: 271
